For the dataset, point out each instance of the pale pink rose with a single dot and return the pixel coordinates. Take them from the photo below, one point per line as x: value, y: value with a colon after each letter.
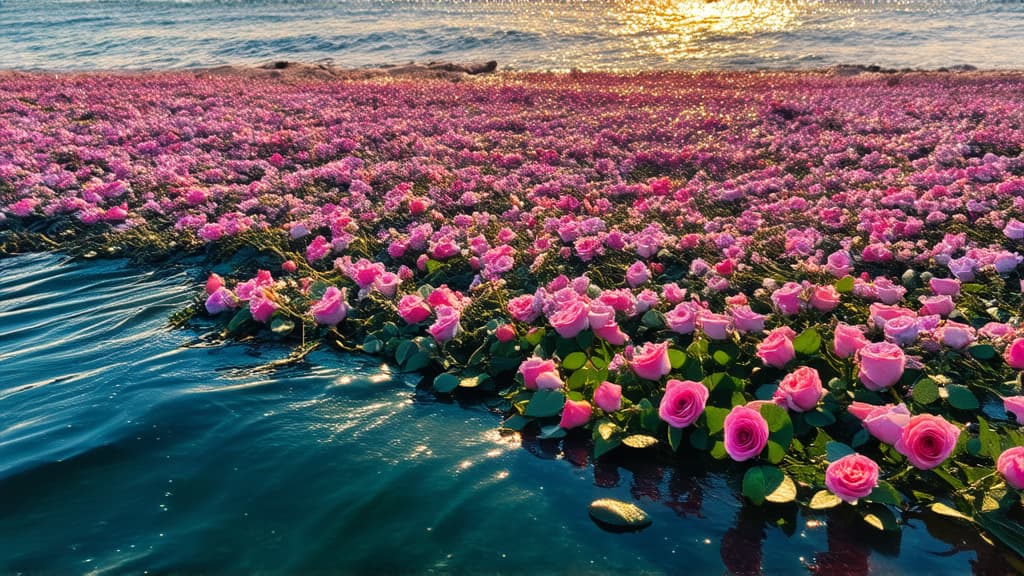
x: 787, y: 298
x: 746, y: 433
x: 673, y: 293
x: 883, y: 422
x: 746, y: 320
x: 1014, y: 229
x: 881, y: 365
x: 963, y: 268
x: 955, y: 335
x: 575, y: 413
x: 800, y: 390
x: 879, y: 314
x: 839, y: 264
x: 637, y: 274
x: 715, y: 326
x: 446, y: 326
x: 413, y: 308
x: 600, y: 314
x: 682, y: 319
x: 261, y: 306
x: 213, y: 283
x: 612, y: 334
x: 941, y: 304
x: 505, y: 333
x: 887, y: 291
x: 650, y: 361
x: 851, y: 477
x: 996, y: 331
x: 331, y: 308
x: 1006, y: 262
x: 1011, y: 465
x: 222, y: 299
x: 927, y: 440
x: 540, y: 374
x: 901, y: 330
x: 608, y: 397
x: 570, y: 319
x: 848, y: 340
x: 1015, y: 405
x: 944, y: 286
x: 524, y: 308
x: 683, y: 402
x: 824, y: 298
x: 1014, y: 354
x: 387, y: 284
x: 777, y: 348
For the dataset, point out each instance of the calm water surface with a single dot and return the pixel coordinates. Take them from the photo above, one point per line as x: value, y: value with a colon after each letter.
x: 524, y: 34
x: 128, y: 446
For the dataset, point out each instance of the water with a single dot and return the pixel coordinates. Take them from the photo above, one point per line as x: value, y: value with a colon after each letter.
x: 522, y: 34
x: 129, y: 446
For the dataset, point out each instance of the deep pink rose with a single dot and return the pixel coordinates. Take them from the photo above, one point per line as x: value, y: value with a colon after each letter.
x: 746, y: 320
x: 848, y: 340
x: 505, y: 333
x: 851, y: 477
x: 799, y: 390
x: 608, y: 397
x: 1014, y: 354
x: 714, y: 326
x: 883, y: 422
x: 540, y: 374
x: 824, y: 298
x: 881, y: 365
x: 331, y: 308
x: 575, y: 413
x: 213, y: 283
x: 683, y: 402
x: 570, y: 319
x: 787, y: 298
x: 927, y: 440
x: 289, y: 266
x: 637, y: 274
x: 944, y: 286
x: 746, y: 433
x: 1015, y: 405
x: 261, y: 306
x: 682, y: 319
x: 317, y: 249
x: 1011, y: 465
x: 446, y: 326
x: 777, y: 348
x: 413, y: 308
x: 524, y: 308
x: 222, y: 299
x: 650, y: 361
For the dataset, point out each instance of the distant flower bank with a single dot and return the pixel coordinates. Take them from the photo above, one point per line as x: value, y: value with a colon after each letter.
x: 816, y: 278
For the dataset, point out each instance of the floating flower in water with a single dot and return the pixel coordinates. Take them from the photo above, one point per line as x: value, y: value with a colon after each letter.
x: 852, y: 477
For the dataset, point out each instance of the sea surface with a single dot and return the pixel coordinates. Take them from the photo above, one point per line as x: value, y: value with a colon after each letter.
x: 129, y: 446
x: 519, y: 34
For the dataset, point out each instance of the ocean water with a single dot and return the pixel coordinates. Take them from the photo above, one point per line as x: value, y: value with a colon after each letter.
x: 127, y: 446
x: 519, y: 34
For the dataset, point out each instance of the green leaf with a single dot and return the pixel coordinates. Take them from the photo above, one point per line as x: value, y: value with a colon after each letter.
x: 699, y: 439
x: 434, y: 266
x: 944, y: 510
x: 473, y: 381
x: 925, y: 391
x: 722, y: 358
x: 884, y: 493
x: 676, y: 358
x: 982, y: 352
x: 845, y: 285
x: 283, y: 326
x: 881, y: 518
x: 552, y: 432
x: 516, y: 422
x: 574, y: 361
x: 718, y: 450
x: 585, y: 339
x: 652, y: 319
x: 446, y: 383
x: 780, y: 431
x: 785, y: 492
x: 649, y: 419
x: 754, y: 485
x: 823, y: 500
x: 990, y: 444
x: 675, y: 438
x: 972, y: 287
x: 405, y: 349
x: 836, y: 450
x: 639, y: 441
x: 961, y: 397
x: 807, y: 342
x: 715, y: 418
x: 819, y: 418
x: 417, y: 361
x: 768, y: 483
x: 533, y: 337
x: 242, y: 320
x: 545, y: 403
x: 765, y: 391
x: 617, y: 515
x: 607, y: 436
x: 371, y: 345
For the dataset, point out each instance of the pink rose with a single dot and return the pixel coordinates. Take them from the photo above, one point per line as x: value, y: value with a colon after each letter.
x: 331, y: 308
x: 222, y: 299
x: 955, y: 335
x: 1011, y: 465
x: 637, y: 274
x: 575, y: 413
x: 1014, y: 354
x: 883, y: 422
x: 570, y: 319
x: 261, y: 306
x: 799, y: 390
x: 318, y: 248
x: 683, y: 402
x: 787, y: 298
x: 446, y: 326
x: 682, y: 319
x: 413, y: 308
x: 540, y: 374
x: 852, y: 477
x: 746, y: 433
x: 524, y: 308
x: 879, y: 314
x: 600, y: 314
x: 650, y: 361
x: 777, y: 348
x: 612, y: 334
x: 881, y: 365
x: 1015, y: 405
x: 387, y: 283
x: 824, y: 298
x: 963, y: 268
x: 289, y: 266
x: 944, y: 286
x: 888, y: 292
x: 941, y: 304
x: 746, y: 320
x: 901, y: 330
x: 927, y: 440
x: 848, y: 340
x: 608, y: 397
x: 839, y: 264
x: 505, y: 333
x: 213, y: 283
x: 1014, y: 229
x: 714, y: 326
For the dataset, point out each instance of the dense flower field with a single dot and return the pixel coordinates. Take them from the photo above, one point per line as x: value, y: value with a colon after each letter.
x: 811, y: 280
